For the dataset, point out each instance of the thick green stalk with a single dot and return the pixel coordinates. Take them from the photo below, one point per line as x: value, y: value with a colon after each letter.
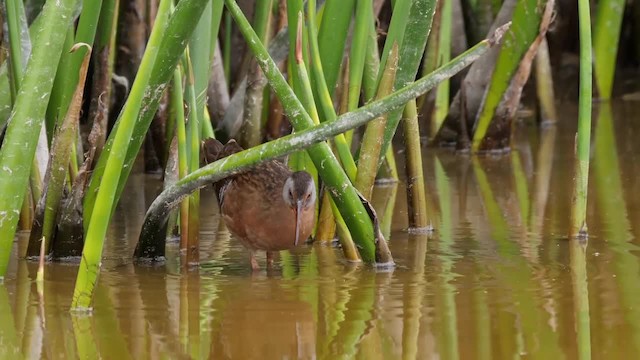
x: 180, y: 26
x: 606, y: 35
x: 336, y: 18
x: 106, y: 194
x: 416, y: 196
x: 324, y: 95
x: 157, y: 212
x: 415, y: 29
x: 371, y: 144
x: 18, y: 148
x: 581, y: 179
x: 333, y: 175
x: 580, y: 284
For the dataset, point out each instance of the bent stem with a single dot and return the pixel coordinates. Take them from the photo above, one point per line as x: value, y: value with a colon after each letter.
x: 171, y: 197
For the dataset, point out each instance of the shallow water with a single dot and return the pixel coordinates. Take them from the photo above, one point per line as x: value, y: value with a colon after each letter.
x: 498, y: 278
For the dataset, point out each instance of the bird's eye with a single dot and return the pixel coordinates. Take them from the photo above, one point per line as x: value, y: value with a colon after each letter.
x: 308, y: 196
x: 291, y: 194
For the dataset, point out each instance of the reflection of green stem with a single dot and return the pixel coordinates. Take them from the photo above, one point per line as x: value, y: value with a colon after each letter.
x: 542, y: 178
x: 581, y: 299
x: 10, y: 348
x: 85, y: 341
x: 413, y: 295
x: 482, y: 324
x: 446, y: 295
x: 515, y: 271
x: 358, y: 314
x: 611, y: 198
x: 522, y: 191
x: 110, y: 335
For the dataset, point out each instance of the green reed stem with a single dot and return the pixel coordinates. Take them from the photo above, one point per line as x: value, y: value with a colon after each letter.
x: 416, y: 196
x: 371, y: 141
x: 581, y: 182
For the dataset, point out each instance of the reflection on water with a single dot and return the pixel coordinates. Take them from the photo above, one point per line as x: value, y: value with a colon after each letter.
x: 498, y: 278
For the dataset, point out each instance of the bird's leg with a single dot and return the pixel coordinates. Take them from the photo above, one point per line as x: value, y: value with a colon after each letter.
x: 254, y: 262
x: 270, y: 258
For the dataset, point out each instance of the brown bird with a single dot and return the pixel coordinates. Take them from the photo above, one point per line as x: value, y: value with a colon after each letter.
x: 268, y: 207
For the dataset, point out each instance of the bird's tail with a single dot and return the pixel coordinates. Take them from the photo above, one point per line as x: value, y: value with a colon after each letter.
x: 213, y: 150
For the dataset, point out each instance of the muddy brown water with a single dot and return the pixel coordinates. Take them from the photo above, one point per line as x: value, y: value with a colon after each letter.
x: 498, y: 279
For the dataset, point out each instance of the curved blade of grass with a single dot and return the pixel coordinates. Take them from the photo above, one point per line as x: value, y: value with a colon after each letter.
x: 169, y: 198
x: 16, y: 154
x: 523, y: 31
x: 180, y: 26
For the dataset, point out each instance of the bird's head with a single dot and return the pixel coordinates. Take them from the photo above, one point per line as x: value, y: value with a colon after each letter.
x: 299, y: 193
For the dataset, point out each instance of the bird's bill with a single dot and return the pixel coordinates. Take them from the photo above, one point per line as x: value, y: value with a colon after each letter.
x: 298, y: 220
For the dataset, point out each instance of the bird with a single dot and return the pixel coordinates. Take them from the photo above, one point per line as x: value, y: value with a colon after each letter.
x: 268, y: 207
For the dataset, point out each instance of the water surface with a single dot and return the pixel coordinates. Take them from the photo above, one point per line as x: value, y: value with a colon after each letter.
x: 497, y: 279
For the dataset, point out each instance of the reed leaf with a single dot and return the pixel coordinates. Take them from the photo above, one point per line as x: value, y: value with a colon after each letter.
x: 332, y: 36
x: 607, y: 26
x: 18, y: 148
x: 525, y: 28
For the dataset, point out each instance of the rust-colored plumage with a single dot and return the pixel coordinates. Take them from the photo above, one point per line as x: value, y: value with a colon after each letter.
x: 268, y: 207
